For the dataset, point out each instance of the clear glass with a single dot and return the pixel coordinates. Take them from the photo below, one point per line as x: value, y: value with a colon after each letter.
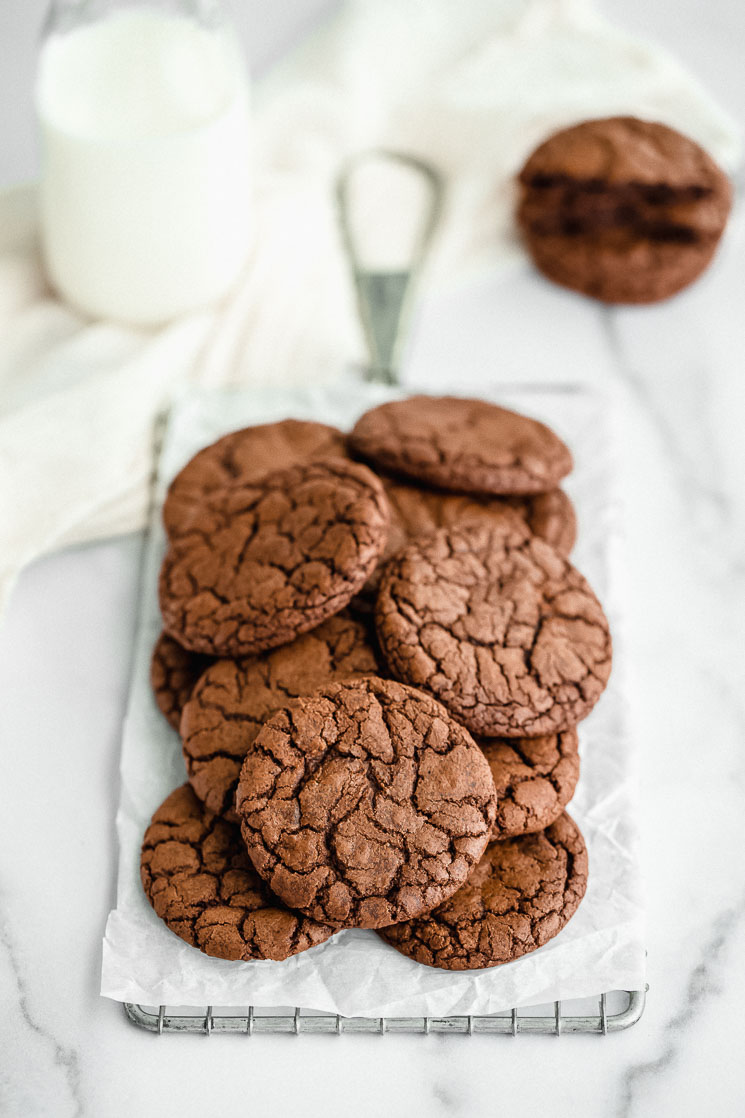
x: 145, y: 192
x: 64, y: 15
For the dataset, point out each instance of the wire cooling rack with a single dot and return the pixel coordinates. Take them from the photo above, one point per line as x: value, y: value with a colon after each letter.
x: 611, y: 1013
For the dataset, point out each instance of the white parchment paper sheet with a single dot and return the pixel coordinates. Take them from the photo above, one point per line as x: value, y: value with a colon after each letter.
x: 356, y: 973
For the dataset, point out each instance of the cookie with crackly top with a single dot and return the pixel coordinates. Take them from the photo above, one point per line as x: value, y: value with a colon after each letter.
x: 233, y: 698
x: 174, y: 672
x: 365, y: 804
x: 521, y: 895
x: 498, y: 626
x: 469, y: 446
x: 621, y: 209
x: 416, y: 511
x: 198, y: 878
x: 535, y: 779
x: 242, y: 457
x: 272, y: 560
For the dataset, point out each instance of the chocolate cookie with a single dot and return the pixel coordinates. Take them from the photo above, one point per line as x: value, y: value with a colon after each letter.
x: 535, y: 779
x: 551, y: 517
x: 173, y: 673
x: 232, y: 700
x: 624, y: 210
x: 520, y: 896
x: 243, y: 457
x: 416, y: 512
x: 498, y: 626
x: 469, y: 446
x: 419, y: 512
x: 198, y: 878
x: 365, y: 804
x: 274, y: 559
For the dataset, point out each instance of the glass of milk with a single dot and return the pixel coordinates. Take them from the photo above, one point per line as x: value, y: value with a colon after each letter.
x: 145, y: 191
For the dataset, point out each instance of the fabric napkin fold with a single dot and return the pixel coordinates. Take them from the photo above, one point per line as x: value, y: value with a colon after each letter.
x: 469, y: 87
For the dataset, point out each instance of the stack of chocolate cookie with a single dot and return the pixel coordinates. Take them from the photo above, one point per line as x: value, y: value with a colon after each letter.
x: 376, y: 677
x: 621, y: 209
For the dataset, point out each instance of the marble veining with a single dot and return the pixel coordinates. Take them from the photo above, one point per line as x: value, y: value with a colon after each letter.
x: 64, y: 1061
x: 703, y: 982
x: 694, y: 464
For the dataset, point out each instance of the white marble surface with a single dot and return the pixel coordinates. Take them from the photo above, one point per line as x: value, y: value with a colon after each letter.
x: 64, y: 652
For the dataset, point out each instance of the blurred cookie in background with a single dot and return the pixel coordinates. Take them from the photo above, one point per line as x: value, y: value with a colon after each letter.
x: 621, y: 209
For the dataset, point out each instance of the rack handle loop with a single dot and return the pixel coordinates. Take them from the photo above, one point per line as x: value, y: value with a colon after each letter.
x: 384, y: 295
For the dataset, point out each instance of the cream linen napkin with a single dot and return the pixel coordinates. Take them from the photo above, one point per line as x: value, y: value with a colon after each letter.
x: 470, y: 86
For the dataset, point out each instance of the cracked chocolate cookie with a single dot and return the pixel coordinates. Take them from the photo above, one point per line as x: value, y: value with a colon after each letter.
x: 243, y: 457
x: 551, y: 517
x: 232, y: 700
x: 365, y: 804
x: 498, y: 626
x: 173, y: 673
x: 535, y: 779
x: 198, y: 878
x: 419, y: 512
x: 469, y: 446
x: 624, y: 210
x: 521, y: 894
x: 275, y: 559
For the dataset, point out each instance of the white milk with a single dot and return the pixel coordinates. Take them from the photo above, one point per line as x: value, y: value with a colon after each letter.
x: 145, y: 186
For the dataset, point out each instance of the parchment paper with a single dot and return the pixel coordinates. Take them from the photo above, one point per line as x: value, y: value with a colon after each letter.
x: 356, y: 973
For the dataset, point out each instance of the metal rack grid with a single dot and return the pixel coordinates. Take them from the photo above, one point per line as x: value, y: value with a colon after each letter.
x: 296, y: 1021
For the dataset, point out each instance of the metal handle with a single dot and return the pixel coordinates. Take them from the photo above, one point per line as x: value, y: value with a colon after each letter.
x: 384, y: 296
